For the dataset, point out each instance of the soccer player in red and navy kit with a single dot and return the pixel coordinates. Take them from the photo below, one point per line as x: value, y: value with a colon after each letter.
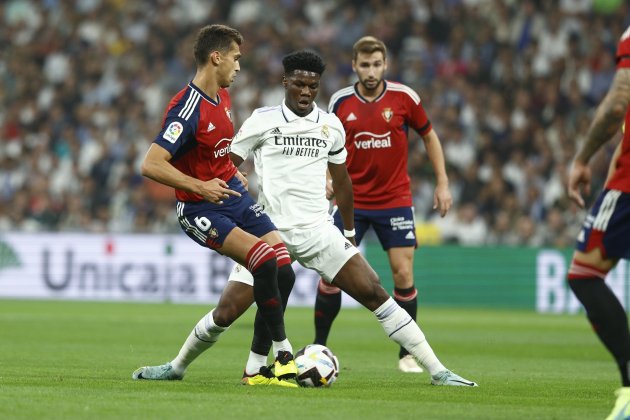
x: 191, y: 154
x: 605, y: 234
x: 376, y: 115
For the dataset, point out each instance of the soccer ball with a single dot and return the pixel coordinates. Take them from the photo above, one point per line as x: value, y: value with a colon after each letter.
x: 317, y: 366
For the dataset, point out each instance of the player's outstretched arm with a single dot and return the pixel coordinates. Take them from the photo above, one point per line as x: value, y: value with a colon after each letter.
x: 343, y: 193
x: 607, y: 121
x: 442, y: 198
x: 157, y: 166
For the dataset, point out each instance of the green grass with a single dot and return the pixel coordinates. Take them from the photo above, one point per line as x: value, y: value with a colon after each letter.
x: 74, y: 360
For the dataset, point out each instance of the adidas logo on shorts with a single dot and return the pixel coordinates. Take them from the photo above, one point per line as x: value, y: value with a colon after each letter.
x: 348, y: 245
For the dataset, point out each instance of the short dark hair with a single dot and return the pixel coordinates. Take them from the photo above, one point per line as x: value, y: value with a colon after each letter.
x: 214, y: 38
x: 368, y: 45
x: 303, y: 60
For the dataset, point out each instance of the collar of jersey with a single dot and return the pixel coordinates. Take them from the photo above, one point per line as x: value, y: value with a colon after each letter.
x: 290, y: 116
x: 203, y: 95
x: 362, y: 99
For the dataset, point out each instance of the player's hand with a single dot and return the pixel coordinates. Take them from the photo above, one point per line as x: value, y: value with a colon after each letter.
x: 352, y: 240
x: 216, y: 190
x: 442, y: 199
x: 330, y: 192
x: 242, y: 176
x: 579, y: 178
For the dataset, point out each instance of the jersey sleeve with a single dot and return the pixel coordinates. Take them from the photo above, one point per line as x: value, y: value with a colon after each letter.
x: 338, y: 152
x: 176, y: 132
x: 416, y: 115
x: 247, y: 138
x: 623, y: 50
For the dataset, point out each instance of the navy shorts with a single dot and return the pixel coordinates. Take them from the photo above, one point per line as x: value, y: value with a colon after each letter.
x: 209, y: 224
x: 607, y: 226
x: 395, y: 228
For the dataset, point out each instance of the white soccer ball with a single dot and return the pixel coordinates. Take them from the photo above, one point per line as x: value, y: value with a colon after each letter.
x: 317, y: 366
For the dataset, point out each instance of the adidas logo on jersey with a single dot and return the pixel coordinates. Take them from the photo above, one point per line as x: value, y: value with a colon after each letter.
x: 276, y: 131
x: 410, y: 235
x: 351, y: 117
x: 211, y: 127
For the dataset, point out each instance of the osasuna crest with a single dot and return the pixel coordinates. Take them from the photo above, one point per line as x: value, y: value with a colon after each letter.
x: 325, y: 132
x: 387, y: 114
x: 213, y: 233
x: 228, y: 112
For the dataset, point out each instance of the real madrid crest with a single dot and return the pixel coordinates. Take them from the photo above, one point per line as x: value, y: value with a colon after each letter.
x: 325, y: 132
x: 228, y: 112
x: 387, y: 114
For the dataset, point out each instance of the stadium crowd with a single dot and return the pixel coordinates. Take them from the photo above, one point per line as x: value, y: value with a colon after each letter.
x: 510, y: 87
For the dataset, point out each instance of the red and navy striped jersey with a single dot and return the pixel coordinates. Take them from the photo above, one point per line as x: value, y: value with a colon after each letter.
x: 621, y: 176
x: 197, y: 131
x: 377, y: 142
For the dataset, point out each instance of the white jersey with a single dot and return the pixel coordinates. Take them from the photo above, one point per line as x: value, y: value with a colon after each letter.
x: 291, y: 154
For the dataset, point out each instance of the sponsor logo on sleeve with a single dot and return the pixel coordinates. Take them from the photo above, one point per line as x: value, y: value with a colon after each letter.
x: 173, y: 131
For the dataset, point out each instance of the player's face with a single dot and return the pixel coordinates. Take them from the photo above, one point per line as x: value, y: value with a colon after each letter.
x: 229, y: 65
x: 302, y: 89
x: 370, y: 68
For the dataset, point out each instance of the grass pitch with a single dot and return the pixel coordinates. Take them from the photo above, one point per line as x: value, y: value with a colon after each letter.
x: 74, y: 360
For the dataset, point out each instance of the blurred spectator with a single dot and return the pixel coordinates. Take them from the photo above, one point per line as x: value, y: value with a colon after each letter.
x: 464, y: 226
x: 509, y: 85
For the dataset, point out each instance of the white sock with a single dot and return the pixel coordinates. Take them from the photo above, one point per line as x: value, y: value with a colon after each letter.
x: 283, y: 345
x: 255, y: 362
x: 401, y: 328
x: 201, y: 338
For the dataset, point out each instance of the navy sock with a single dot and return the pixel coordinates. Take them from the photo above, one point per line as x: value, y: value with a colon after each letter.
x: 327, y: 307
x: 261, y: 342
x: 608, y: 318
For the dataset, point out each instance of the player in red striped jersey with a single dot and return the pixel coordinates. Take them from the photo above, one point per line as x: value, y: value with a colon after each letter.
x: 604, y: 237
x: 376, y: 115
x: 191, y: 154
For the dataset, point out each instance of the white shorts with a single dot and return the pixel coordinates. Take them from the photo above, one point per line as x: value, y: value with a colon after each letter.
x: 323, y: 249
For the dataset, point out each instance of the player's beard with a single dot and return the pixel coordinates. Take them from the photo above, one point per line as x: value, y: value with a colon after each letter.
x: 375, y: 83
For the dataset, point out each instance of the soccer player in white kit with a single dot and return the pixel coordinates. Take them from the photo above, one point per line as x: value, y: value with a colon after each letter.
x: 293, y: 144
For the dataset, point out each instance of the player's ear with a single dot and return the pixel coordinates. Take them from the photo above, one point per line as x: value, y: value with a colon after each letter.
x: 215, y: 57
x: 285, y: 82
x: 354, y: 66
